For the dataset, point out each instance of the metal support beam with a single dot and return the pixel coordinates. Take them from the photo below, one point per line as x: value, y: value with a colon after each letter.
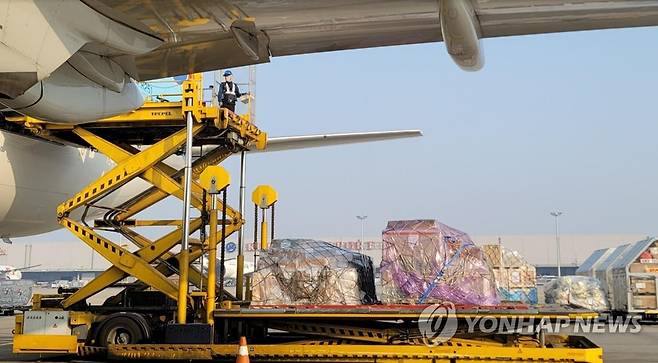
x: 121, y: 258
x: 125, y: 171
x: 239, y: 283
x: 149, y: 252
x: 154, y: 175
x: 580, y: 351
x: 154, y: 195
x: 184, y: 258
x: 223, y: 246
x: 212, y: 261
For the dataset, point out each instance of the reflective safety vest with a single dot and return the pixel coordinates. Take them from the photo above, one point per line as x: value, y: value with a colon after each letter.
x: 229, y: 93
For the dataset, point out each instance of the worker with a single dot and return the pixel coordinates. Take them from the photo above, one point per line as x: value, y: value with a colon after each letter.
x: 228, y: 92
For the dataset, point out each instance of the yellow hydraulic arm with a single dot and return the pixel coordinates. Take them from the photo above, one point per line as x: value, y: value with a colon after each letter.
x: 149, y: 262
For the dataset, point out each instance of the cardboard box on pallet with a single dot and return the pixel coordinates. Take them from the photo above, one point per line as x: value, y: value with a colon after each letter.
x: 644, y: 301
x: 643, y: 285
x: 516, y: 279
x: 638, y: 267
x: 425, y: 261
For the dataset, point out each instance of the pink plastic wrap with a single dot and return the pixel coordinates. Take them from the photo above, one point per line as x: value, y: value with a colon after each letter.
x: 424, y: 261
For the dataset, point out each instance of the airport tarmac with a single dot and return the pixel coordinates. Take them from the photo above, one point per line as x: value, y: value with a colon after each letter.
x: 617, y: 348
x: 629, y: 348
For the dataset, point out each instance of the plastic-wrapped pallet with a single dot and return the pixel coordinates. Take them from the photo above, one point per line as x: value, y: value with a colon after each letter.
x: 516, y: 279
x: 15, y: 293
x: 304, y: 271
x: 579, y: 291
x: 425, y: 261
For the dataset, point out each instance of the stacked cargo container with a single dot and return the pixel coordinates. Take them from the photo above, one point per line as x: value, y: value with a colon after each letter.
x: 628, y: 274
x: 634, y: 278
x: 603, y: 271
x: 588, y: 267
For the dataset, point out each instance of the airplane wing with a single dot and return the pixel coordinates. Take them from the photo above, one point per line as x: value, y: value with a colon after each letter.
x: 205, y: 35
x: 311, y: 141
x: 96, y: 44
x: 21, y: 268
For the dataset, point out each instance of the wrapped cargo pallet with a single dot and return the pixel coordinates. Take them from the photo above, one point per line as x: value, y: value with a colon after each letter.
x: 516, y: 279
x: 15, y: 293
x: 304, y: 271
x: 579, y: 291
x: 425, y: 261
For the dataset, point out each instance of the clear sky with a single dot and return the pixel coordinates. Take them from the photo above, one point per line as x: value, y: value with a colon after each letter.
x: 563, y: 121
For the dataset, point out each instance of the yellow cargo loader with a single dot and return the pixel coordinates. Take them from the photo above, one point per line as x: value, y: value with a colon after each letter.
x: 172, y: 308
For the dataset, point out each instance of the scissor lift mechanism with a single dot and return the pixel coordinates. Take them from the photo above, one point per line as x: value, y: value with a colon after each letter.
x: 138, y: 143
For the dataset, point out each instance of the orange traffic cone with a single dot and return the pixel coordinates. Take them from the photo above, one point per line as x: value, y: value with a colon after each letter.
x: 243, y: 351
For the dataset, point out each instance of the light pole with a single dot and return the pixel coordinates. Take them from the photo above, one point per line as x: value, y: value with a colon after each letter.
x: 363, y: 222
x: 557, y: 215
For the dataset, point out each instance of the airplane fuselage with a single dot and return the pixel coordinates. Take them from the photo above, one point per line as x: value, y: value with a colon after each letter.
x: 35, y: 177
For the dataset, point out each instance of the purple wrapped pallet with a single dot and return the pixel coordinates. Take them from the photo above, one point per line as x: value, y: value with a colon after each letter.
x: 425, y: 261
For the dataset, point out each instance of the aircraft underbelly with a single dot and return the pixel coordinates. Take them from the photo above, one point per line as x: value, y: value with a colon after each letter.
x: 35, y: 177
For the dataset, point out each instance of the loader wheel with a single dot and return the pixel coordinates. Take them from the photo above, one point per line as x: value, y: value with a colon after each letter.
x: 120, y: 330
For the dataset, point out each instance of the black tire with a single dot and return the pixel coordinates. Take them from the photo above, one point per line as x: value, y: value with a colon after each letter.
x: 119, y: 330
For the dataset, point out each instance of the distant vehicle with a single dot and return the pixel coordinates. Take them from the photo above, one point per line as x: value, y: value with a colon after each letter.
x: 231, y: 265
x: 69, y: 284
x: 60, y: 283
x: 77, y: 283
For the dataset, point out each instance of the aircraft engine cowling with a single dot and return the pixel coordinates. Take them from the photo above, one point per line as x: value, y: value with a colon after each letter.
x: 79, y: 94
x: 461, y: 33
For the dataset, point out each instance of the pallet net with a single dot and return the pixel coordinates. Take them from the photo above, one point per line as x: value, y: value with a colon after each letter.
x: 305, y: 271
x: 15, y: 293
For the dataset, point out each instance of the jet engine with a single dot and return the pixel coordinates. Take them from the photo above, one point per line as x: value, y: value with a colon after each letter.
x: 85, y: 88
x: 461, y: 34
x: 67, y: 68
